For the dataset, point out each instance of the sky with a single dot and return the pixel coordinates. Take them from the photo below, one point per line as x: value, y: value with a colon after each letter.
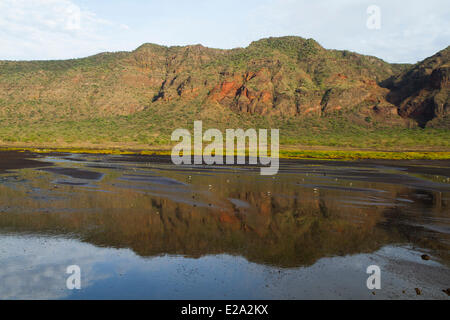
x: 395, y: 30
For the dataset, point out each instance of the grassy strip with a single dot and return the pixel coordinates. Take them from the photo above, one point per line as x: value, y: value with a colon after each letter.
x: 284, y: 154
x: 356, y: 155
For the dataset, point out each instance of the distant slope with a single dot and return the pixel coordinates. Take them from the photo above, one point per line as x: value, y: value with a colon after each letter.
x: 275, y: 76
x: 422, y: 92
x: 288, y: 82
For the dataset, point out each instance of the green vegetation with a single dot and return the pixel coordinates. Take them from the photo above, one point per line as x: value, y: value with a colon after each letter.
x: 134, y: 100
x: 359, y: 155
x: 152, y: 129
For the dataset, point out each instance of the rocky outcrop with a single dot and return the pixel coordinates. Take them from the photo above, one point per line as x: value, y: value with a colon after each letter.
x: 274, y: 77
x: 252, y: 92
x: 284, y: 77
x: 422, y: 93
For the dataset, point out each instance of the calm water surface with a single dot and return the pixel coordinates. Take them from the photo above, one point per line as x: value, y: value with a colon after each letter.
x: 141, y: 228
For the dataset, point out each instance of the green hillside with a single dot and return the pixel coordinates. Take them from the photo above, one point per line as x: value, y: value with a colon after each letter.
x: 316, y: 97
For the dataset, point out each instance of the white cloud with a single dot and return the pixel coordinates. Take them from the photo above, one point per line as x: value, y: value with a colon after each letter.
x: 44, y: 29
x: 124, y: 26
x: 50, y: 29
x: 409, y: 31
x: 35, y: 267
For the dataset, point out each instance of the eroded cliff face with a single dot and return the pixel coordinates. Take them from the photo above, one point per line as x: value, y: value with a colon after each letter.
x: 278, y: 77
x: 422, y: 92
x: 288, y: 77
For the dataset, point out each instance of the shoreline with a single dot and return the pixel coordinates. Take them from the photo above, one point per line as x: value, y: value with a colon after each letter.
x: 285, y: 153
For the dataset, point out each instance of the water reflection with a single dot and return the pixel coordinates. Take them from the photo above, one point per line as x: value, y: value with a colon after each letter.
x: 306, y: 213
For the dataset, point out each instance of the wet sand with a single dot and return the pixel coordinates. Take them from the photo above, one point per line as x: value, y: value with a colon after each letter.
x: 10, y: 160
x: 143, y: 228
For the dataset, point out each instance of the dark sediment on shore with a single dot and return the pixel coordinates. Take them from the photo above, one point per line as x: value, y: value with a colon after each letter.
x: 10, y: 160
x: 432, y: 167
x: 75, y: 173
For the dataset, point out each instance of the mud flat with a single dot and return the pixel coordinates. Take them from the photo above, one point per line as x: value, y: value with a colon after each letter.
x: 10, y: 160
x: 140, y: 227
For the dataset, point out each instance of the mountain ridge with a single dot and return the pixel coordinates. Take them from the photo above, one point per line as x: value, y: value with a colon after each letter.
x: 272, y: 81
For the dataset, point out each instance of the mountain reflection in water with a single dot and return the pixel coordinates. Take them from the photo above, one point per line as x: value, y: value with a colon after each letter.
x: 309, y: 211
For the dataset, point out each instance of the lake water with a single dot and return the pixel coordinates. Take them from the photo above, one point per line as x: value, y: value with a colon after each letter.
x: 142, y: 228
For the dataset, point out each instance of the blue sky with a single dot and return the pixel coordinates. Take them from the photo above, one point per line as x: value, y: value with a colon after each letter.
x: 59, y: 29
